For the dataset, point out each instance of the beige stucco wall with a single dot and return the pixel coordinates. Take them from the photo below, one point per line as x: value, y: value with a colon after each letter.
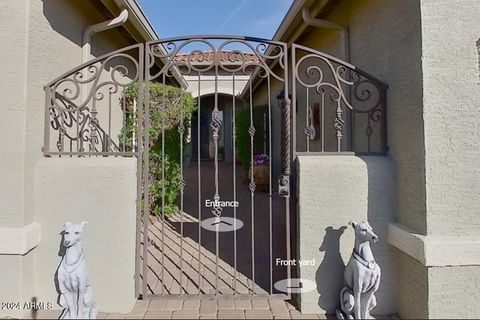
x: 101, y: 191
x: 54, y: 41
x: 453, y: 292
x: 412, y: 287
x: 324, y: 184
x: 15, y: 271
x: 13, y: 30
x: 451, y: 115
x: 452, y: 149
x: 207, y: 86
x: 16, y: 277
x: 449, y: 272
x: 390, y: 48
x: 43, y: 38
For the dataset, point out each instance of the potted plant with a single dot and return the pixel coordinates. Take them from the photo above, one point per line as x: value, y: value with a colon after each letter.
x: 261, y: 172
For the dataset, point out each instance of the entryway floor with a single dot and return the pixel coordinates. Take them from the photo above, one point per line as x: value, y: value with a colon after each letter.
x: 207, y: 309
x: 203, y: 309
x: 186, y: 259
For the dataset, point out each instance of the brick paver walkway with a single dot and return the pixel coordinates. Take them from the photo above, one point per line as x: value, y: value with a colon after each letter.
x: 180, y: 260
x: 204, y: 309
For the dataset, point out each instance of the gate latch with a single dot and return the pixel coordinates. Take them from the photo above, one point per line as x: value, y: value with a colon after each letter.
x: 284, y: 186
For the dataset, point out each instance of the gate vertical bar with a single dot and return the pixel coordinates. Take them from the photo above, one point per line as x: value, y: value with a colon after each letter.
x: 251, y: 132
x: 163, y: 184
x: 338, y: 125
x: 146, y: 135
x: 323, y: 121
x: 270, y: 220
x: 46, y: 124
x: 124, y: 119
x: 199, y: 172
x: 307, y: 122
x: 234, y: 188
x: 294, y: 94
x: 139, y: 154
x: 62, y: 130
x: 216, y: 126
x: 110, y: 118
x: 383, y: 127
x: 182, y: 187
x: 286, y: 157
x: 78, y: 130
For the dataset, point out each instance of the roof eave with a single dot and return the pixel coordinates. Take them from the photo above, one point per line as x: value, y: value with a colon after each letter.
x: 142, y: 25
x: 292, y: 12
x: 291, y: 27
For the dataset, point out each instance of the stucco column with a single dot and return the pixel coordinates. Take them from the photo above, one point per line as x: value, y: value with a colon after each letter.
x: 15, y: 259
x: 439, y: 271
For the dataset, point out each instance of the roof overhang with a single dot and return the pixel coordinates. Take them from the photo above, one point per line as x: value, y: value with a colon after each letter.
x: 292, y: 27
x: 138, y: 26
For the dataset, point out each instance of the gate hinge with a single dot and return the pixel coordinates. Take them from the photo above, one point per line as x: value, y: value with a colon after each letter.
x: 284, y: 186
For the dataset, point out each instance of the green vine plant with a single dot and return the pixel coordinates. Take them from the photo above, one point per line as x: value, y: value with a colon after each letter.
x: 168, y: 108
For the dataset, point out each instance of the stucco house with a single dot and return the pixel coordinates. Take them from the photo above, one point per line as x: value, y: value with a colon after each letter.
x: 369, y: 112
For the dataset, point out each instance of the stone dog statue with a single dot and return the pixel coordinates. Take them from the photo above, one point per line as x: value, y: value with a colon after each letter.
x: 76, y: 294
x: 362, y: 276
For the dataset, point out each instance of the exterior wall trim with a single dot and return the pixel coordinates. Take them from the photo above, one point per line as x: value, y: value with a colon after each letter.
x: 19, y: 241
x: 435, y: 251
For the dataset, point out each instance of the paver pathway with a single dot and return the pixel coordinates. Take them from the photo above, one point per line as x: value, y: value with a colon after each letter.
x: 181, y: 261
x: 204, y: 309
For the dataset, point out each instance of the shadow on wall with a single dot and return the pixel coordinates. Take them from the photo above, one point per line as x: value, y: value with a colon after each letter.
x: 336, y: 250
x: 330, y: 270
x: 380, y: 213
x: 64, y: 24
x: 70, y: 18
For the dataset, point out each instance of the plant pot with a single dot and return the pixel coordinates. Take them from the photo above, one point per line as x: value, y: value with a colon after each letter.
x: 261, y: 177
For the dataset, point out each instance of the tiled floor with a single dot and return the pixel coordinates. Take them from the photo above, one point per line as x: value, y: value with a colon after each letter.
x: 207, y: 309
x: 204, y: 309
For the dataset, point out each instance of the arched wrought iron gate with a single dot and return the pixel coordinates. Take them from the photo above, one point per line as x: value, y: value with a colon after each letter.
x: 219, y: 257
x: 215, y: 165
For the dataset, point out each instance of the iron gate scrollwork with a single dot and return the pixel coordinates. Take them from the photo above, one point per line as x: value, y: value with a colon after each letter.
x: 78, y: 105
x: 339, y: 107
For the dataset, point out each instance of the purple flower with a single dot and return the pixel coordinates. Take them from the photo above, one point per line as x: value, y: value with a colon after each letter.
x: 260, y: 159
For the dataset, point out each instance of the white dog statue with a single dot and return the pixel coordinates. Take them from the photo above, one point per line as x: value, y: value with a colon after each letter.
x: 76, y: 294
x: 362, y: 276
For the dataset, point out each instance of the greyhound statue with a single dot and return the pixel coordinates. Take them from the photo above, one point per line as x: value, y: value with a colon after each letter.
x: 76, y: 294
x: 362, y: 276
